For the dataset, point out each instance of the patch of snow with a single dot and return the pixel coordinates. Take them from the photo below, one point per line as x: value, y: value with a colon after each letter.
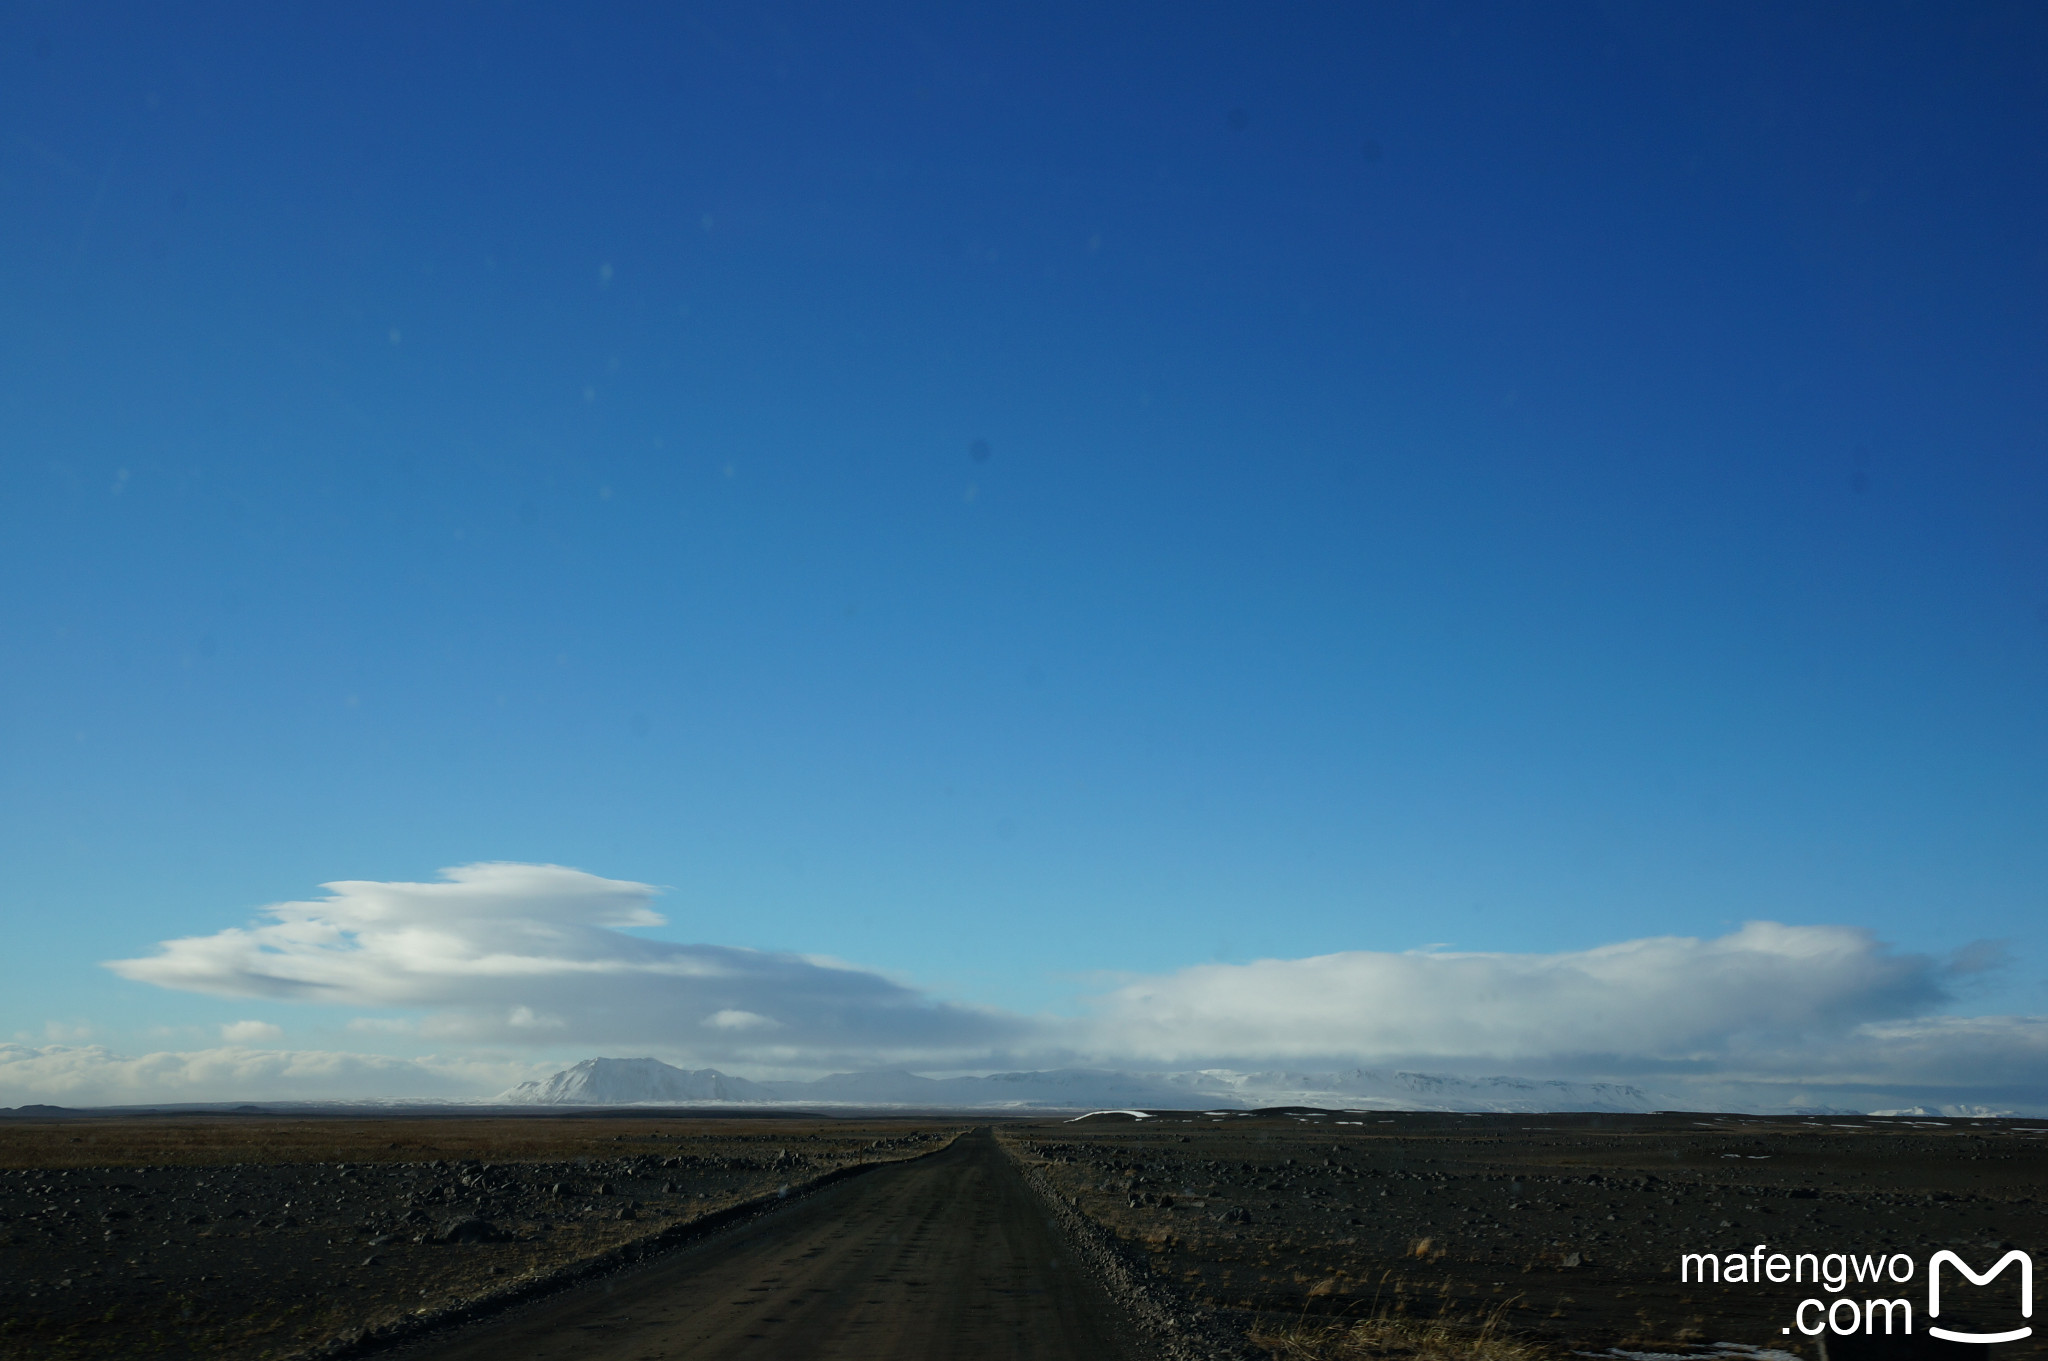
x: 1718, y: 1351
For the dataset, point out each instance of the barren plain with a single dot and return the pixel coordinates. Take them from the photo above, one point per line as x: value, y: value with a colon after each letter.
x: 250, y: 1236
x: 1563, y: 1230
x: 1289, y: 1233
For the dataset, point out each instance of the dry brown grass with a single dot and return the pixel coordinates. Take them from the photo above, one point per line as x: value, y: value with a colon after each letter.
x: 1388, y: 1335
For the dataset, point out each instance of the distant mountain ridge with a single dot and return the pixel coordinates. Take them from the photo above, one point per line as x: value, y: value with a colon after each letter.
x: 628, y: 1082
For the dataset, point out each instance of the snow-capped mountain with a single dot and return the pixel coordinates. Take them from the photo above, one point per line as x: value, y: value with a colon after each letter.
x: 627, y: 1082
x: 636, y: 1081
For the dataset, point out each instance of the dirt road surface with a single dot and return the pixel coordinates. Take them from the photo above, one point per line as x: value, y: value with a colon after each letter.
x: 950, y: 1256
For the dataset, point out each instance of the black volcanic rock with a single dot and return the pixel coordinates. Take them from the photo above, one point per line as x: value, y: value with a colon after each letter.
x: 470, y: 1229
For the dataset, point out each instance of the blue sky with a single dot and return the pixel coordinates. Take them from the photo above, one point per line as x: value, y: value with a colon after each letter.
x: 1023, y: 498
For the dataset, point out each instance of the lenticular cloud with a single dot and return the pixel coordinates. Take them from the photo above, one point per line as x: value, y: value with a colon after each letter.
x: 524, y: 952
x: 402, y: 944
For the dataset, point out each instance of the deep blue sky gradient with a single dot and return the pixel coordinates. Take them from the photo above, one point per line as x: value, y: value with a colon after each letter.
x: 1511, y: 476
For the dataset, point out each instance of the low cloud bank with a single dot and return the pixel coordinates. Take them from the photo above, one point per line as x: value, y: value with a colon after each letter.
x: 1765, y: 989
x: 541, y: 955
x: 93, y: 1075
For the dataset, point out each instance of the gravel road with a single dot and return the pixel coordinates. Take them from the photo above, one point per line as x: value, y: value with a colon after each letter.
x: 950, y: 1256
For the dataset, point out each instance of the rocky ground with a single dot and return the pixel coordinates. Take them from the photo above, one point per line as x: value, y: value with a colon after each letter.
x: 1566, y: 1230
x: 251, y: 1237
x: 257, y: 1236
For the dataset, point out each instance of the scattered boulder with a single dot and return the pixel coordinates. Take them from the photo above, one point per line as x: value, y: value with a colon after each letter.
x: 470, y: 1229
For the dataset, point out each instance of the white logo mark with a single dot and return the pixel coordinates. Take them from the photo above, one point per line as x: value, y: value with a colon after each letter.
x: 2026, y: 1293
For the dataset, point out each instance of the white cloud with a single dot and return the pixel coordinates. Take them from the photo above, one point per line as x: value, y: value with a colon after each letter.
x: 531, y: 955
x: 1980, y: 1051
x: 1764, y: 989
x: 509, y: 952
x: 92, y: 1075
x: 250, y: 1032
x: 1766, y: 1016
x: 733, y: 1019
